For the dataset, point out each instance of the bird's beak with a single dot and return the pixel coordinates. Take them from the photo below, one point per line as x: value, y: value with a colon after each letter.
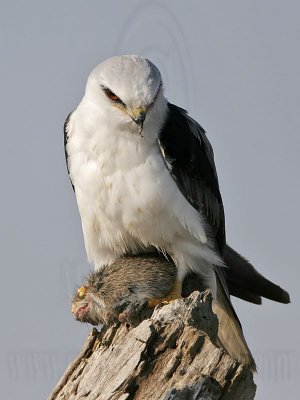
x: 138, y: 115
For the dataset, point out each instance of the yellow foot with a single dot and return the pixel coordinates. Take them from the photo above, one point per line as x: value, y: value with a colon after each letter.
x: 174, y: 294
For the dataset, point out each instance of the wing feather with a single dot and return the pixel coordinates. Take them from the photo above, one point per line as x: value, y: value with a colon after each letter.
x: 189, y: 157
x: 66, y: 131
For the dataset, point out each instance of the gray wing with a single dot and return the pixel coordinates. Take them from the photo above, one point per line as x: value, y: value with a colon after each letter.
x: 245, y: 282
x: 189, y: 157
x: 190, y: 160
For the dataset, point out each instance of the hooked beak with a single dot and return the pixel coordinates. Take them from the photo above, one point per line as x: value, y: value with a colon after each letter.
x: 138, y: 115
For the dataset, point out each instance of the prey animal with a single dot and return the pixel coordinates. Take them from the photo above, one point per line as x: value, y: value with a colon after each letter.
x: 124, y: 291
x: 145, y: 179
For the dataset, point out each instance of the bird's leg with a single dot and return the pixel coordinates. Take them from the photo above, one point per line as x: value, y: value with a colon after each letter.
x: 137, y: 311
x: 174, y: 294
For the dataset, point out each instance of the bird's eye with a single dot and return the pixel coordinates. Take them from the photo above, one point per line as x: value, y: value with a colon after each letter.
x: 112, y: 96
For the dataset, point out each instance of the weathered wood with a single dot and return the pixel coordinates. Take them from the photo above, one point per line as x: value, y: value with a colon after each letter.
x: 171, y: 356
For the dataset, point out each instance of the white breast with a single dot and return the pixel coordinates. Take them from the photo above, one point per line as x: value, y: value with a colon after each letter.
x: 127, y: 199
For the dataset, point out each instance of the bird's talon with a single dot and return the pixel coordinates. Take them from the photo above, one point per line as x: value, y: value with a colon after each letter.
x: 154, y: 302
x: 174, y: 294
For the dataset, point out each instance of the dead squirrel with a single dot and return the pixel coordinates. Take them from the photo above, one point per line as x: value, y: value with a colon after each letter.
x: 124, y: 291
x: 130, y: 286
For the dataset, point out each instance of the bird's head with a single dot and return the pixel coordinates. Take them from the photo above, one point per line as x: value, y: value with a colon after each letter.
x: 128, y: 92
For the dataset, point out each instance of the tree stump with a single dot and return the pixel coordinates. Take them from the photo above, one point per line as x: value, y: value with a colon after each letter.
x: 173, y: 355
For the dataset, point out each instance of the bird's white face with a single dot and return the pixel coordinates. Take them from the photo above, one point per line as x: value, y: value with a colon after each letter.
x: 128, y: 92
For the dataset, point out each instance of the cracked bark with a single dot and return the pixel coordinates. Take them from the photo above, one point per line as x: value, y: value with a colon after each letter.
x: 173, y: 355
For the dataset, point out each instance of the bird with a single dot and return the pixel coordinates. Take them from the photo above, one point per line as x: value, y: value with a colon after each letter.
x: 145, y: 180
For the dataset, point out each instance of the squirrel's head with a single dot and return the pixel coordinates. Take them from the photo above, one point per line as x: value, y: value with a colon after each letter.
x: 88, y: 303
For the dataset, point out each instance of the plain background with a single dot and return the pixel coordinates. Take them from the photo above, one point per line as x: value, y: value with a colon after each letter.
x: 235, y: 66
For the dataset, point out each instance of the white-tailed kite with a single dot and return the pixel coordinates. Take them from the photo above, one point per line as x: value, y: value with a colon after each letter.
x: 144, y: 176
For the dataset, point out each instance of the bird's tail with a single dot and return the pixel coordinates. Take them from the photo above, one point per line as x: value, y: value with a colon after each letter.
x: 245, y: 282
x: 230, y: 332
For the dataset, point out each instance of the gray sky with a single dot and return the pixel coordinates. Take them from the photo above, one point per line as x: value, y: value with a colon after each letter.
x: 235, y: 66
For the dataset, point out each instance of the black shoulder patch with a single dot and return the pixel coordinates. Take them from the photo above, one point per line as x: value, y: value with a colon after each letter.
x: 190, y: 160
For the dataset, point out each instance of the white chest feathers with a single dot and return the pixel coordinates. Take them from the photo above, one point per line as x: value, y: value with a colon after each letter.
x: 127, y: 199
